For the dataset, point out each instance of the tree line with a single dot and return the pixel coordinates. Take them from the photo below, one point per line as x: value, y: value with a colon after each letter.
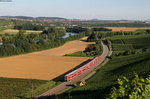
x: 25, y: 43
x: 76, y: 29
x: 29, y: 26
x: 108, y: 24
x: 103, y: 34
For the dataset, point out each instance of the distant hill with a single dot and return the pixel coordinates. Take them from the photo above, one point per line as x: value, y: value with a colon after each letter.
x: 31, y: 18
x: 50, y: 18
x: 106, y: 20
x: 17, y: 17
x: 94, y: 20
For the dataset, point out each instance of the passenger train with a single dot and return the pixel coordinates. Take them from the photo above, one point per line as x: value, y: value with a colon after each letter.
x: 78, y: 71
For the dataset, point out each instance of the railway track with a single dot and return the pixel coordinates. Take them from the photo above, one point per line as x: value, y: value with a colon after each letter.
x: 63, y: 85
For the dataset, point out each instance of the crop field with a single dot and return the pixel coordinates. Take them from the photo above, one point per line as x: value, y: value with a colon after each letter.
x: 127, y: 28
x: 128, y: 37
x: 13, y: 31
x: 130, y: 42
x: 44, y: 65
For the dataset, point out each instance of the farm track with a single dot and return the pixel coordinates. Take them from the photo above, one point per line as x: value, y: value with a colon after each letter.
x: 64, y: 85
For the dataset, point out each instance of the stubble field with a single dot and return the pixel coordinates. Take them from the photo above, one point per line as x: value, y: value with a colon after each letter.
x: 44, y: 65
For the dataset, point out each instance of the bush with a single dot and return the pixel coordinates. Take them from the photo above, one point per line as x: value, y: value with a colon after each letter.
x: 135, y: 88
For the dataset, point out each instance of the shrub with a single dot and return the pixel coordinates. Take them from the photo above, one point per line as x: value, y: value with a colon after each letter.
x: 135, y: 88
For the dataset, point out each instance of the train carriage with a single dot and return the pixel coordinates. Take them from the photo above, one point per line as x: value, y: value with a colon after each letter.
x: 78, y: 71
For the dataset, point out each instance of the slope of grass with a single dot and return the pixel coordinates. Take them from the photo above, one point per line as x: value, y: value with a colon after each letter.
x: 11, y: 88
x: 42, y: 88
x: 99, y: 86
x: 127, y: 43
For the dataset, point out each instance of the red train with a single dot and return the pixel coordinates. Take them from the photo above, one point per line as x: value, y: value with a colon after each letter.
x: 81, y: 69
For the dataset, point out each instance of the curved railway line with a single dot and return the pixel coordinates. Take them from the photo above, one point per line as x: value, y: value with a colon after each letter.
x: 75, y: 79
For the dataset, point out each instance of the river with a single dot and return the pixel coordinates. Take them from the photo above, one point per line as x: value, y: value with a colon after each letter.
x: 68, y: 34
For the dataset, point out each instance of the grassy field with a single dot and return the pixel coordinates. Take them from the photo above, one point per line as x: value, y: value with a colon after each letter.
x: 5, y: 25
x: 18, y: 88
x: 99, y: 85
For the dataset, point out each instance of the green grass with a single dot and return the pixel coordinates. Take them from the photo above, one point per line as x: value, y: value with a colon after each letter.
x: 99, y: 85
x: 5, y: 25
x: 42, y: 88
x: 11, y: 88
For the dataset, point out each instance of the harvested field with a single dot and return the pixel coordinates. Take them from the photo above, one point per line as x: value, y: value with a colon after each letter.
x: 70, y: 47
x: 127, y: 28
x: 13, y: 31
x: 44, y: 65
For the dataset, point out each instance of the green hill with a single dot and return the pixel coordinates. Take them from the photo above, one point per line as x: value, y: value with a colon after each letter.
x: 100, y: 84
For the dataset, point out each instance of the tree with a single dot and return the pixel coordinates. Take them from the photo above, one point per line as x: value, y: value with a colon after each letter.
x: 101, y: 29
x: 135, y: 88
x: 148, y: 31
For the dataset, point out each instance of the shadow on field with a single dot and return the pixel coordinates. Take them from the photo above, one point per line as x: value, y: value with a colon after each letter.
x: 61, y: 77
x: 131, y: 68
x: 86, y: 94
x: 84, y: 40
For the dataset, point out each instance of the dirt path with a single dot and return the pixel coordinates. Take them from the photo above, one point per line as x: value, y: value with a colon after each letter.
x: 44, y: 65
x: 62, y: 86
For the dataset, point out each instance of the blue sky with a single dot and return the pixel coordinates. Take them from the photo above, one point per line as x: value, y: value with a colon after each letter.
x: 83, y: 9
